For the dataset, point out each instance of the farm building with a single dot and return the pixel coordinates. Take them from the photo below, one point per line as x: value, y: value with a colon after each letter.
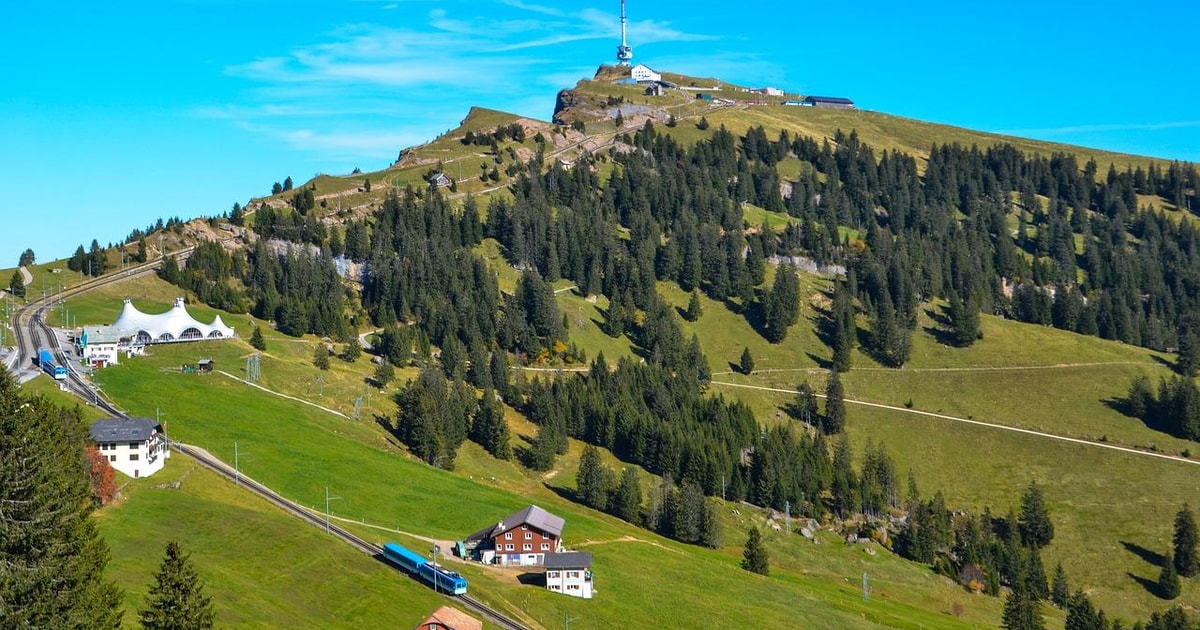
x: 793, y: 102
x: 522, y: 539
x: 570, y: 573
x: 829, y: 101
x: 642, y: 72
x: 173, y: 326
x: 770, y: 91
x: 441, y: 180
x: 447, y: 618
x: 136, y: 447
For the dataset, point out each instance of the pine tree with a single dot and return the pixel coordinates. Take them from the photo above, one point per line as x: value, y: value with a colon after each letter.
x: 384, y: 374
x: 710, y: 525
x: 27, y: 258
x: 805, y: 406
x: 964, y: 320
x: 320, y: 356
x: 1022, y: 611
x: 1168, y: 580
x: 782, y: 303
x: 834, y: 420
x: 352, y: 351
x: 1060, y: 590
x: 489, y: 428
x: 1185, y: 542
x: 626, y: 503
x: 177, y: 601
x: 593, y: 480
x: 1082, y: 615
x: 52, y: 557
x: 1034, y: 521
x: 1188, y: 359
x: 256, y: 340
x: 746, y: 362
x: 16, y: 284
x: 754, y: 557
x: 694, y: 309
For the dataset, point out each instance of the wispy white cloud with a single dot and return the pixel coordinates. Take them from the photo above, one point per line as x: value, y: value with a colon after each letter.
x: 517, y: 4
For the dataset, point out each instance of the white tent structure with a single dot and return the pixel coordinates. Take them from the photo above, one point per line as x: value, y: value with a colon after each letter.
x: 173, y: 326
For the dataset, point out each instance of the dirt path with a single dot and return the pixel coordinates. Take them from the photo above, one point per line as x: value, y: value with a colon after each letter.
x: 299, y: 400
x: 930, y: 414
x: 982, y: 368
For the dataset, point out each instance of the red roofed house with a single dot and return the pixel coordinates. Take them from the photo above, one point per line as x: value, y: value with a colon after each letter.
x: 522, y: 539
x: 447, y: 618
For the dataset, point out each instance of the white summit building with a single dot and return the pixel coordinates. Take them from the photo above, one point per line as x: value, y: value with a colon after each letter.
x: 173, y: 326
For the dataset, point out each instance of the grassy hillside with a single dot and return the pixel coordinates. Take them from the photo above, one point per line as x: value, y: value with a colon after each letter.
x: 300, y: 451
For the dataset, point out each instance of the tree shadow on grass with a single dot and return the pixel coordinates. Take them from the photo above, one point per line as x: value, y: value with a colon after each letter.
x: 1151, y: 586
x: 1147, y: 555
x: 532, y: 579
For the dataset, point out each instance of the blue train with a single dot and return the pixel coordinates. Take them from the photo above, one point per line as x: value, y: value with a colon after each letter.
x: 46, y: 361
x: 441, y: 579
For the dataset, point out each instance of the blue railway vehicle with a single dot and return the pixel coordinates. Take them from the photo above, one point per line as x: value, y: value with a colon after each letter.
x: 416, y: 564
x: 46, y: 361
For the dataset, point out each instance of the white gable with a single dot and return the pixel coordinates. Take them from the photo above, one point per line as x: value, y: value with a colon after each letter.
x: 642, y: 72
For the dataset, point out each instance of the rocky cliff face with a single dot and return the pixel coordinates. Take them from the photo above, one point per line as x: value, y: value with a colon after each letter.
x: 567, y: 100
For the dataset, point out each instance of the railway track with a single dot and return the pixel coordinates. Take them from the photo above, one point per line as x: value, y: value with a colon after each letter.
x: 31, y: 330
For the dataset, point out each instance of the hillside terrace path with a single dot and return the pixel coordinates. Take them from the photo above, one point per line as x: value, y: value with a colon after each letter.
x: 269, y: 391
x: 990, y: 425
x: 981, y: 368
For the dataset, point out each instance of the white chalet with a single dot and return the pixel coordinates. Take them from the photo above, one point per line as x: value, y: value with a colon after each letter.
x: 136, y: 447
x: 642, y: 72
x: 569, y: 573
x: 98, y: 345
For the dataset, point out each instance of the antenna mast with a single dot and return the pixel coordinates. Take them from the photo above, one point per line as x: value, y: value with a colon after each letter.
x: 624, y: 51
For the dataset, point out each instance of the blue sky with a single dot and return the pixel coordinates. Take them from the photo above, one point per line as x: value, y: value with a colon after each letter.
x: 115, y: 114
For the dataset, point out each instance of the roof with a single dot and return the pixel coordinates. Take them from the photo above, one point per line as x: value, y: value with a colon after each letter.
x: 453, y: 619
x: 122, y: 430
x: 533, y: 516
x: 174, y: 325
x: 568, y: 560
x: 100, y: 334
x: 830, y: 99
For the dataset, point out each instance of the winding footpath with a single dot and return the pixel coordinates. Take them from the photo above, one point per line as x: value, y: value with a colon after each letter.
x: 990, y: 425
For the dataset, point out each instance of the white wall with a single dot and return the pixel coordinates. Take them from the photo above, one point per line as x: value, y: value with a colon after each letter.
x: 150, y: 456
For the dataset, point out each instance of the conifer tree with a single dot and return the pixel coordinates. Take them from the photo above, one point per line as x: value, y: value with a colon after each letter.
x: 593, y: 480
x: 52, y: 557
x: 1185, y: 542
x: 352, y: 350
x: 1168, y: 579
x: 746, y: 362
x: 1082, y: 615
x: 834, y: 420
x: 256, y: 340
x: 754, y: 557
x: 16, y: 284
x: 694, y: 309
x: 1188, y: 359
x: 384, y: 374
x: 320, y: 356
x: 805, y: 406
x: 1034, y: 521
x: 489, y: 428
x: 1060, y: 590
x: 177, y: 601
x: 1021, y: 610
x: 626, y: 503
x: 964, y: 320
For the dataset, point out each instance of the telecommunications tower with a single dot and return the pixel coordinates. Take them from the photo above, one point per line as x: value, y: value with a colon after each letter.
x: 624, y: 51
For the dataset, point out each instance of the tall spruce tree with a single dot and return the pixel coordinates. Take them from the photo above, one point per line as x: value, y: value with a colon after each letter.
x: 834, y: 420
x: 16, y: 284
x: 746, y: 362
x: 1185, y: 542
x: 52, y: 557
x: 177, y: 601
x: 593, y: 481
x: 754, y: 557
x: 1168, y: 579
x: 626, y: 503
x: 694, y: 308
x: 1034, y: 521
x: 1022, y: 611
x: 1060, y: 589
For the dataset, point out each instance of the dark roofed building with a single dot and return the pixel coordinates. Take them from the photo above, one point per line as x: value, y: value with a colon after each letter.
x: 136, y: 446
x: 441, y: 180
x: 522, y: 539
x: 570, y: 573
x: 829, y: 101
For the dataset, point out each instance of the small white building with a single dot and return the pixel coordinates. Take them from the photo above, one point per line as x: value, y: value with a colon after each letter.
x: 135, y: 446
x: 772, y: 91
x: 570, y: 573
x: 98, y: 345
x: 642, y: 72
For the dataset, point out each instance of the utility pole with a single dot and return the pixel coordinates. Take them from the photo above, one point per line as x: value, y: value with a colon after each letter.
x: 327, y: 500
x: 435, y: 551
x: 237, y: 475
x: 787, y: 506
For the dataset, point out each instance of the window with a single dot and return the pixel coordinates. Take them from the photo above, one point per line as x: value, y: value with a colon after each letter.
x: 112, y: 458
x: 133, y: 457
x: 552, y: 574
x: 528, y: 535
x: 508, y: 536
x: 510, y: 547
x: 527, y: 547
x: 545, y: 546
x: 133, y: 445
